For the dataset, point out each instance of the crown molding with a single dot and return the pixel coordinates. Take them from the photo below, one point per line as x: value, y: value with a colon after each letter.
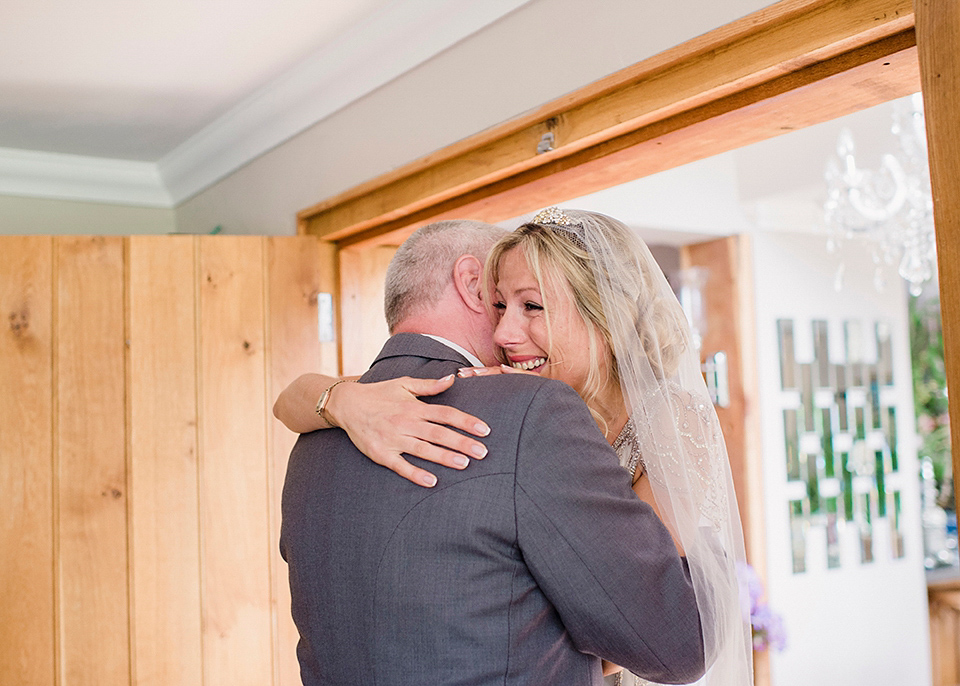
x: 362, y: 59
x: 60, y: 176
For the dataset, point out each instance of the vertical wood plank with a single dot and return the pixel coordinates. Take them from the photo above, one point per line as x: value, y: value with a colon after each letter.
x: 26, y: 461
x: 938, y: 46
x: 162, y: 410
x: 235, y: 558
x: 294, y: 275
x: 363, y: 327
x: 329, y: 280
x: 91, y: 479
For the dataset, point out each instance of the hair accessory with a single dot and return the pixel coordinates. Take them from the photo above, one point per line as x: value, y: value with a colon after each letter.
x: 556, y: 216
x: 560, y: 222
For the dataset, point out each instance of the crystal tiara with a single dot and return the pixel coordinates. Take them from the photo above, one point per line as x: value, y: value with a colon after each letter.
x: 559, y: 222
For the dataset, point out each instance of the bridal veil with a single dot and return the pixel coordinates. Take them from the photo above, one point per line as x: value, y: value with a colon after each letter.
x: 677, y: 433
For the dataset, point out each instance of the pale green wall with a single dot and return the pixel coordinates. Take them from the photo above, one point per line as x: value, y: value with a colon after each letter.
x: 20, y: 215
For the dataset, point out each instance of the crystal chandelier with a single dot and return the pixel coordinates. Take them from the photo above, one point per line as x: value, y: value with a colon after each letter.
x: 891, y: 205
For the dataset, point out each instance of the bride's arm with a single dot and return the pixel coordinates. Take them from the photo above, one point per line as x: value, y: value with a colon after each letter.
x: 296, y: 404
x: 386, y: 419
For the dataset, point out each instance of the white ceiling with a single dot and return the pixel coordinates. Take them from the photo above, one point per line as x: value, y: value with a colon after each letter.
x: 160, y: 98
x: 133, y: 80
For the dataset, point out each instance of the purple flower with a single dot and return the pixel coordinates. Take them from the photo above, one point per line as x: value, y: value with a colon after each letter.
x: 767, y: 625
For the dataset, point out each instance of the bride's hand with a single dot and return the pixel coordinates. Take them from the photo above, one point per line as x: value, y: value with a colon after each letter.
x: 386, y: 419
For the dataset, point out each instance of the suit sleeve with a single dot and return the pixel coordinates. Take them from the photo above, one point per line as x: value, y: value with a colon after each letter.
x: 600, y: 554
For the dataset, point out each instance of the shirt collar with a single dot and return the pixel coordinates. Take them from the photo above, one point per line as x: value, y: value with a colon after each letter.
x: 474, y: 360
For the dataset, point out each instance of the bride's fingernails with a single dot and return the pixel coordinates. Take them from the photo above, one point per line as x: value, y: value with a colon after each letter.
x: 461, y: 461
x: 463, y: 372
x: 481, y: 429
x: 448, y: 377
x: 479, y: 450
x: 428, y: 480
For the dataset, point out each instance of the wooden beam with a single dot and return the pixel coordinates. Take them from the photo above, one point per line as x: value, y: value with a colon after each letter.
x: 870, y: 75
x: 700, y: 79
x: 938, y: 42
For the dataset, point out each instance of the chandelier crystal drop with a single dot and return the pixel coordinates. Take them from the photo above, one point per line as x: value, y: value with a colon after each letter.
x: 892, y: 206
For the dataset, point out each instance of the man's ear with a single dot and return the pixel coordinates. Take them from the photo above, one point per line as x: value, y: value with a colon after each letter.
x: 468, y: 279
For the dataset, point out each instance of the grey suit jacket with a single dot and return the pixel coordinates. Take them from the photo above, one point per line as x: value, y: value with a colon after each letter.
x: 524, y: 568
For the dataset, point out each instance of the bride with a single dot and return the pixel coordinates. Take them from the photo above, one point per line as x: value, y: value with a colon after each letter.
x: 578, y: 297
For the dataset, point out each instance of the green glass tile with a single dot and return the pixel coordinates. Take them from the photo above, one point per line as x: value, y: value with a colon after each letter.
x: 788, y: 364
x: 813, y: 482
x: 798, y: 536
x: 881, y: 492
x: 821, y: 355
x: 833, y: 533
x: 866, y: 527
x: 806, y: 395
x: 890, y: 429
x: 792, y: 443
x: 884, y: 354
x: 896, y: 525
x: 841, y: 376
x: 847, y: 486
x: 873, y: 398
x: 827, y: 442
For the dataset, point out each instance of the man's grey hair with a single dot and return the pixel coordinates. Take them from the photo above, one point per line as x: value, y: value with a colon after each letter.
x: 422, y: 267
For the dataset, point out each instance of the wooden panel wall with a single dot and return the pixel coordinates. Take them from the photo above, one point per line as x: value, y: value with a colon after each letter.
x: 162, y: 410
x: 27, y: 614
x: 90, y: 461
x: 363, y: 329
x: 140, y: 466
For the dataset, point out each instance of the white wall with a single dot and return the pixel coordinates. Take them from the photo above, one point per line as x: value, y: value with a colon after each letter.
x: 20, y: 216
x: 537, y: 53
x: 860, y: 623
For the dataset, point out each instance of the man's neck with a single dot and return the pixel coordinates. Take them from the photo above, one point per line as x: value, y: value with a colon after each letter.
x: 426, y: 327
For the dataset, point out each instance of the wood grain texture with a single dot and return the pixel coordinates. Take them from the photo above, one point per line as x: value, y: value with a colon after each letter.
x: 329, y: 281
x: 938, y: 42
x: 26, y: 461
x: 363, y: 328
x: 293, y: 275
x: 788, y: 39
x: 234, y: 510
x: 91, y: 462
x: 162, y: 435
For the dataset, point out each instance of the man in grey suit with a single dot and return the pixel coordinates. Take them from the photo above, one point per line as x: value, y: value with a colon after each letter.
x: 526, y: 568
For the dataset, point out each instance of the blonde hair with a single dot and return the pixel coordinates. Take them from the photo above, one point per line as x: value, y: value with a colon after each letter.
x: 557, y: 256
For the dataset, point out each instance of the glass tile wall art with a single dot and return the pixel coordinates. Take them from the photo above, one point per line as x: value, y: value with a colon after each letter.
x: 840, y: 444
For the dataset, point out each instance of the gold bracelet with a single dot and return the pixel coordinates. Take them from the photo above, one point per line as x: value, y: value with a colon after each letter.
x: 325, y: 398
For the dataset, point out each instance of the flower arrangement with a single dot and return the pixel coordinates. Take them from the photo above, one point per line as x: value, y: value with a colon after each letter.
x: 766, y: 625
